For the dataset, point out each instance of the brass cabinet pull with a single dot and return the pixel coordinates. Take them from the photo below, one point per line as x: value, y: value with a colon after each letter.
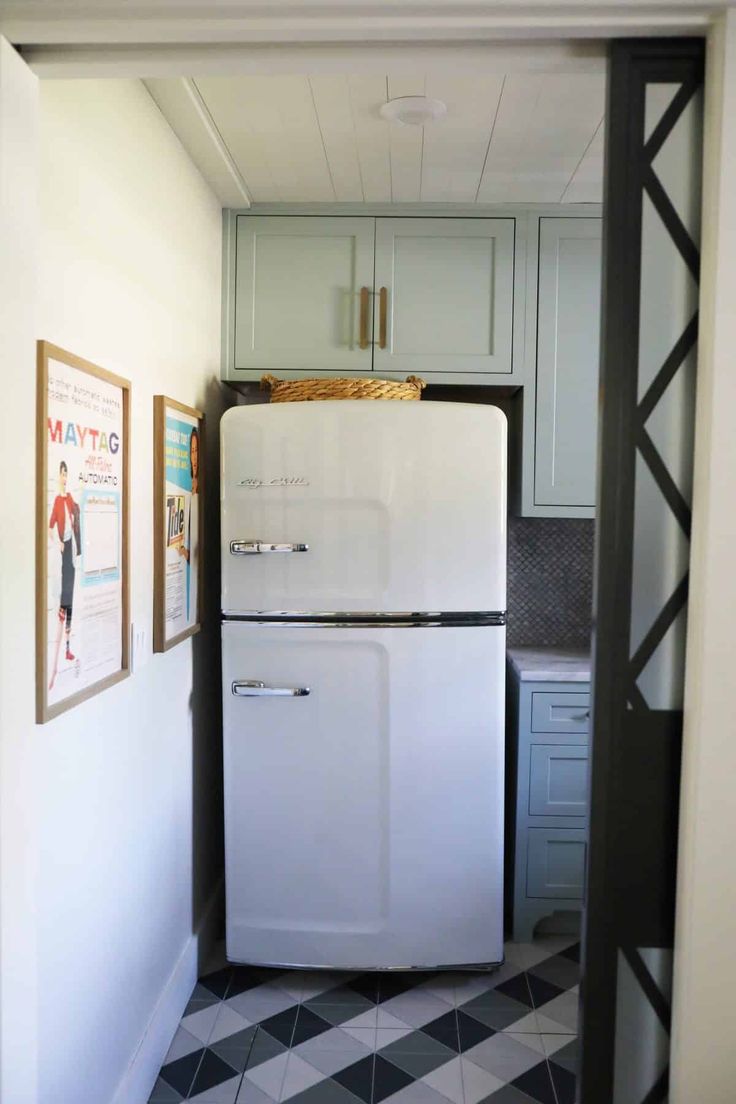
x: 364, y: 301
x: 382, y: 311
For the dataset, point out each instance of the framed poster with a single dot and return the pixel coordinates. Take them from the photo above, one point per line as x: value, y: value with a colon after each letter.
x: 177, y: 521
x: 82, y: 511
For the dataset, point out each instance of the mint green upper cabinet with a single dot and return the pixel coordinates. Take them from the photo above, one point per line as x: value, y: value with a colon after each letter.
x: 561, y: 420
x: 297, y: 294
x: 449, y: 297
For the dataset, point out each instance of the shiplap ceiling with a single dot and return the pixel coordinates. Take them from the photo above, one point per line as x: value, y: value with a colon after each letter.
x: 514, y: 138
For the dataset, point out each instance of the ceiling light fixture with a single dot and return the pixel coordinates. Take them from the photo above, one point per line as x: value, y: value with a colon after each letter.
x: 413, y: 110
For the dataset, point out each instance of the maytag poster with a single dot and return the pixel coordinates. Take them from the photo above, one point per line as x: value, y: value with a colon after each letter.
x: 180, y: 434
x: 83, y: 516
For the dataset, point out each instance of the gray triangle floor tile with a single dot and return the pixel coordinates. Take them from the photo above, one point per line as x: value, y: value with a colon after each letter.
x: 200, y: 1024
x: 527, y: 1025
x: 326, y: 1092
x: 299, y: 1077
x: 418, y: 1042
x: 565, y: 1055
x: 503, y: 1056
x: 558, y: 970
x: 202, y: 995
x: 447, y: 1080
x: 264, y: 1048
x: 164, y: 1094
x: 224, y: 1093
x: 496, y: 1010
x: 332, y: 1051
x: 416, y: 1008
x: 195, y: 1005
x: 509, y: 1095
x: 562, y: 1010
x: 419, y: 1064
x: 478, y: 1083
x: 182, y: 1043
x: 338, y: 1014
x: 251, y: 1094
x: 418, y: 1093
x: 228, y: 1023
x: 235, y: 1049
x: 340, y: 995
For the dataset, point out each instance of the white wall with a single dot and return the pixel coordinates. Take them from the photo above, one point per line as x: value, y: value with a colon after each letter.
x: 18, y: 221
x: 128, y: 277
x: 703, y: 1054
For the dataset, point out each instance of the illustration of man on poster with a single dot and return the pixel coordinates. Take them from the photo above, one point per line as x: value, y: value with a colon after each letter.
x: 65, y: 519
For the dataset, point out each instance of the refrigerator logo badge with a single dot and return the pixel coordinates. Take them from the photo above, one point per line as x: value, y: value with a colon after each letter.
x: 279, y: 481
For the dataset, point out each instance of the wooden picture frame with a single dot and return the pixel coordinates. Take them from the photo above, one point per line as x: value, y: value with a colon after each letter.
x: 178, y: 488
x: 82, y: 446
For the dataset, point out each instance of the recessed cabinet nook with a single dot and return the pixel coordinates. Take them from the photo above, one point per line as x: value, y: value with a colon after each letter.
x: 508, y: 299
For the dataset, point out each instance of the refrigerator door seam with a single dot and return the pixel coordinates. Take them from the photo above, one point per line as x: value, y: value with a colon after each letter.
x: 490, y: 619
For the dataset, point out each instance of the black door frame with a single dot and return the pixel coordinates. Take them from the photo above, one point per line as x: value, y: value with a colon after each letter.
x: 635, y: 760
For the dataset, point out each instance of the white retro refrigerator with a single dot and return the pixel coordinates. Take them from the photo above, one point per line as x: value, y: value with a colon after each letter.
x: 363, y: 642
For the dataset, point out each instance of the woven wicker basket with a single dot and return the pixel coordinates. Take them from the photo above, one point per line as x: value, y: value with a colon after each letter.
x: 313, y: 390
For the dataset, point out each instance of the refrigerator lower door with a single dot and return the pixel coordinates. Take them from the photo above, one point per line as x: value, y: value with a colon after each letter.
x: 364, y: 795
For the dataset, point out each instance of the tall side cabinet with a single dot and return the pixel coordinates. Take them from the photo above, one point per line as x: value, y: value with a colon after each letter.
x: 560, y: 400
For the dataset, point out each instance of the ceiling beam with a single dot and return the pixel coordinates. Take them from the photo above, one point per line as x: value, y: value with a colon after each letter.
x: 188, y: 116
x: 160, y: 22
x: 313, y: 60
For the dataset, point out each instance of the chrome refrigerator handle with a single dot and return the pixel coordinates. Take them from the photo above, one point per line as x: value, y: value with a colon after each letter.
x: 252, y: 688
x: 256, y: 547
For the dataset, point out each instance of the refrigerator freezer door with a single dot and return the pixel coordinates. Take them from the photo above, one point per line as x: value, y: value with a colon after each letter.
x: 363, y: 507
x: 364, y: 820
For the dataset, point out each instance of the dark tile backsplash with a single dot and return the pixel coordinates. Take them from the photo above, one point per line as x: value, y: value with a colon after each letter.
x: 550, y: 582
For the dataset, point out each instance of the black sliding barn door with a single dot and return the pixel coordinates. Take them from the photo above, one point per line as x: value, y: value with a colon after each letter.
x: 649, y: 358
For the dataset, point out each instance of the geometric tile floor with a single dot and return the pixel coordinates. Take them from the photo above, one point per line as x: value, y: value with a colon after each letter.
x: 256, y: 1036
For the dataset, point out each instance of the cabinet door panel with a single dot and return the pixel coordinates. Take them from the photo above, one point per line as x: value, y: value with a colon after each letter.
x: 568, y: 341
x: 298, y: 284
x: 556, y: 863
x: 558, y: 780
x: 449, y: 289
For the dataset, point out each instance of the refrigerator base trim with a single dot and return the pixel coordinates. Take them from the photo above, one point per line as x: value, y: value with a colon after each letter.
x: 471, y: 967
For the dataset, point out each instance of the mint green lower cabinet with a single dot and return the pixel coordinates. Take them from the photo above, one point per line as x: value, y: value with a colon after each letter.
x: 558, y: 780
x: 555, y: 863
x: 547, y: 800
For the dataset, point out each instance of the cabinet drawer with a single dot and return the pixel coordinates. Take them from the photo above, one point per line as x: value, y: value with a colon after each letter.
x: 563, y: 712
x: 558, y: 780
x: 556, y: 862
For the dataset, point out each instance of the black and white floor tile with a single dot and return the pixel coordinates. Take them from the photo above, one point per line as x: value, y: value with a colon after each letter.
x: 258, y: 1036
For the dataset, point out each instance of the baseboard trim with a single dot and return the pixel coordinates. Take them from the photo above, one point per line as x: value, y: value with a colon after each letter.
x: 140, y: 1077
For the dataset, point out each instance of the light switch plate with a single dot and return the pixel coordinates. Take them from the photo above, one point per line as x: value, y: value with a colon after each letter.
x: 139, y: 653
